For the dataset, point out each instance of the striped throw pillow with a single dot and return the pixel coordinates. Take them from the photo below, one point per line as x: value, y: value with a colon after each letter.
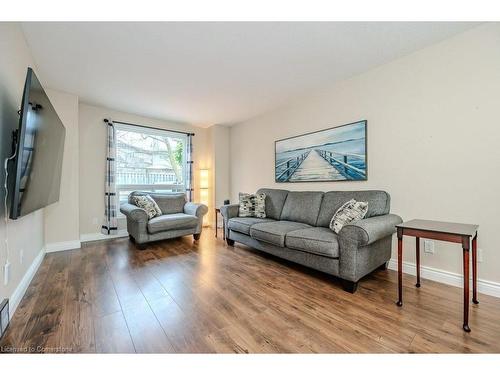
x: 148, y: 204
x: 349, y: 212
x: 252, y: 205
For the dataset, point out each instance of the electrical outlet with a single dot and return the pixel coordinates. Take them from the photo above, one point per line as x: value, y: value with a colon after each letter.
x: 429, y: 246
x: 95, y: 221
x: 21, y: 256
x: 6, y: 273
x: 480, y: 255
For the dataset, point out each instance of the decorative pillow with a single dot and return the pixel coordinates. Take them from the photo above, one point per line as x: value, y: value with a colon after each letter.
x: 148, y: 204
x: 252, y: 205
x: 349, y: 212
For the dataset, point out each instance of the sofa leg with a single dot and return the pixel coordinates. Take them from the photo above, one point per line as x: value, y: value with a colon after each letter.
x: 349, y: 286
x: 383, y: 267
x: 196, y: 236
x: 230, y: 242
x: 141, y: 246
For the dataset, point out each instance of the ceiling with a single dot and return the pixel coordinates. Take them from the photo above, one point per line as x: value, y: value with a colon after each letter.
x: 215, y: 73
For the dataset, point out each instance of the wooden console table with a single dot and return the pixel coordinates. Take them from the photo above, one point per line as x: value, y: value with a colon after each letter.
x: 217, y: 211
x: 441, y: 231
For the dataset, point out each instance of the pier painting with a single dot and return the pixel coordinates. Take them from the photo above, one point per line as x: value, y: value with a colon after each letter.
x: 335, y: 154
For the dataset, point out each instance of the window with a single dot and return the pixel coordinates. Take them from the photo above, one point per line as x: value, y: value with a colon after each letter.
x: 149, y: 160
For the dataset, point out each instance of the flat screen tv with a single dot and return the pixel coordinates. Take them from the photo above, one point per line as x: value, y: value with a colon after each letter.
x: 39, y: 152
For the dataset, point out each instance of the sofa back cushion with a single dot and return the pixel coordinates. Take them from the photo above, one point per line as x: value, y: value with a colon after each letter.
x: 275, y: 199
x: 169, y: 203
x: 378, y: 203
x: 302, y: 206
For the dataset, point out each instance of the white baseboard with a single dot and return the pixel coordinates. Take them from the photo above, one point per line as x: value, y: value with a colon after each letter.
x: 18, y: 293
x: 62, y: 246
x: 450, y: 278
x: 88, y: 237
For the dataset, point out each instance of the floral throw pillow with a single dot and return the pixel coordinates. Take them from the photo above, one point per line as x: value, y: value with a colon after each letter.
x: 148, y: 204
x: 252, y: 205
x: 349, y: 212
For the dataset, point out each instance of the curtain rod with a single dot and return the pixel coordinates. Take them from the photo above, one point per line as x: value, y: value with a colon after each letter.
x: 148, y: 127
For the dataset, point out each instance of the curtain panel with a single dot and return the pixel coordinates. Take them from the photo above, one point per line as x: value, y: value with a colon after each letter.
x: 110, y: 221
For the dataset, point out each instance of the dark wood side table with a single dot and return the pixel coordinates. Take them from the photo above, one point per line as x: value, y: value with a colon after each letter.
x: 441, y: 231
x: 217, y: 211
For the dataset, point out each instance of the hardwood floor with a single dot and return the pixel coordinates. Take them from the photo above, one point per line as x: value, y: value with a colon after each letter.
x: 184, y: 297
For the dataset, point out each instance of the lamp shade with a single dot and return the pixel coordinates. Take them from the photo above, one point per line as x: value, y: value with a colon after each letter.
x: 203, y: 178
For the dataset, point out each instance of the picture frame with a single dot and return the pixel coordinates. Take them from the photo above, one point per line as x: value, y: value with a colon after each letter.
x: 338, y: 153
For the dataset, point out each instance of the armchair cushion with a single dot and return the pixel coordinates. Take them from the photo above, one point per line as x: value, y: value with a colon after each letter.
x: 172, y: 221
x: 169, y: 203
x: 367, y: 231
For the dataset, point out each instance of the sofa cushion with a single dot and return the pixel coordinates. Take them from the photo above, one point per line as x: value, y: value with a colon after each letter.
x: 171, y: 222
x: 378, y: 203
x: 275, y: 199
x: 243, y: 224
x: 274, y: 232
x: 317, y: 240
x: 302, y: 206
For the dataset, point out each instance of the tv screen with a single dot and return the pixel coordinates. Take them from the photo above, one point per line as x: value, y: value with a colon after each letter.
x: 39, y: 155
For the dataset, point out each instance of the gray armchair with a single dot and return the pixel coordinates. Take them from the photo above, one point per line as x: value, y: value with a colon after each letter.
x: 179, y: 218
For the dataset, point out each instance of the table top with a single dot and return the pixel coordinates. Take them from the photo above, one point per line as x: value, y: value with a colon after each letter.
x: 440, y: 226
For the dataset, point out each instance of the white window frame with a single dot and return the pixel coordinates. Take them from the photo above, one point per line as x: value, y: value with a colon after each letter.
x: 155, y: 187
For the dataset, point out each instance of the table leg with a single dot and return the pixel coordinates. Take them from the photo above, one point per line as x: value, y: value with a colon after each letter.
x: 417, y: 244
x: 400, y: 267
x: 216, y: 226
x: 465, y: 245
x: 474, y: 270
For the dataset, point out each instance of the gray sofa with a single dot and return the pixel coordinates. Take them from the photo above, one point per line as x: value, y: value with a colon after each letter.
x: 180, y: 218
x: 296, y: 228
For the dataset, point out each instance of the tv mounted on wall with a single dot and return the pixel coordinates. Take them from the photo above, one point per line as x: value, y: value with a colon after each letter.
x: 39, y: 152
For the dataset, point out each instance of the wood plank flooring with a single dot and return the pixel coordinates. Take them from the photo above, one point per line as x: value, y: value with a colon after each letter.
x: 179, y: 296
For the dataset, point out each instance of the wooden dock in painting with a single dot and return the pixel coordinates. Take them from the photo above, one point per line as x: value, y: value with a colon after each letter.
x: 314, y: 167
x: 321, y: 165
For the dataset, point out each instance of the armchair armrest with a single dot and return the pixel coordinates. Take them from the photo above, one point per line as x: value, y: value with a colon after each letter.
x: 367, y: 231
x: 133, y: 212
x: 195, y: 209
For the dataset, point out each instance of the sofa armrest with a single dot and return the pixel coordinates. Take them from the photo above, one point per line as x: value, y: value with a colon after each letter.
x: 366, y: 245
x: 228, y: 211
x: 367, y: 231
x: 133, y: 212
x: 195, y: 209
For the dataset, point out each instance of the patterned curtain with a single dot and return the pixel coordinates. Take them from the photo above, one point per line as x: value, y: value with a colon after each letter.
x: 110, y: 223
x: 189, y: 174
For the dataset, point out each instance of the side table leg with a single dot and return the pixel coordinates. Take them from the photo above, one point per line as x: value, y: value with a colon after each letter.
x: 417, y: 244
x: 474, y: 270
x: 400, y: 267
x: 216, y: 223
x: 465, y: 245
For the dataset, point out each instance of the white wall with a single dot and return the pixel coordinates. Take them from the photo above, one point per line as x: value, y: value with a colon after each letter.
x: 433, y: 139
x: 92, y: 140
x: 62, y: 230
x: 25, y: 234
